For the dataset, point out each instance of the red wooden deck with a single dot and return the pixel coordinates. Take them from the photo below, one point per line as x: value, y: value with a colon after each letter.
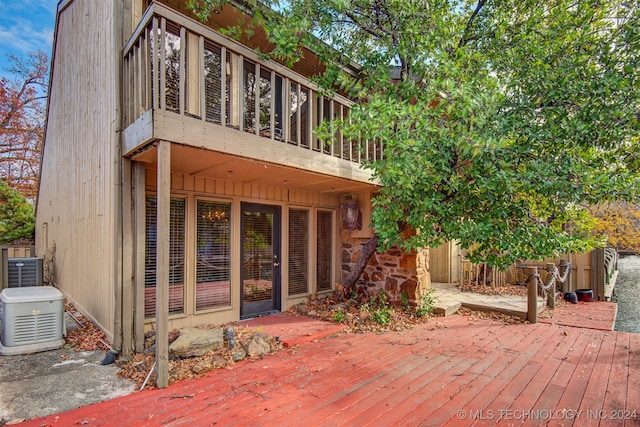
x: 453, y: 371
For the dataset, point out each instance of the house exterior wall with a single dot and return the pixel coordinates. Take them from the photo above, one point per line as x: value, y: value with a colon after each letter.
x: 107, y: 120
x: 80, y: 169
x: 192, y: 188
x: 445, y: 263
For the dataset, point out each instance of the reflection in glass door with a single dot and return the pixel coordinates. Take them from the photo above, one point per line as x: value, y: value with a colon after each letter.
x: 260, y: 259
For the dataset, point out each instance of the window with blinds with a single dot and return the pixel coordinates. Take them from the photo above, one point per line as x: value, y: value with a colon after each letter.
x: 176, y: 255
x: 324, y: 241
x: 213, y: 265
x: 172, y: 67
x: 213, y: 82
x: 298, y: 251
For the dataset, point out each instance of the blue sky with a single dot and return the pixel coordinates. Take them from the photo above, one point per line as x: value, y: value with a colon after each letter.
x: 25, y: 26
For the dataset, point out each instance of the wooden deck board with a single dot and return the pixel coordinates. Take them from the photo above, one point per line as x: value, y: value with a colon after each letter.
x: 632, y: 404
x: 598, y: 385
x: 454, y: 371
x: 551, y: 356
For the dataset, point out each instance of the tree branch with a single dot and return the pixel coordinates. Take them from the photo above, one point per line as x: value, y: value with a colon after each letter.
x: 465, y: 38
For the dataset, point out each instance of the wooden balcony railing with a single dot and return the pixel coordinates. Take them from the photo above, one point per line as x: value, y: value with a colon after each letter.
x: 175, y: 64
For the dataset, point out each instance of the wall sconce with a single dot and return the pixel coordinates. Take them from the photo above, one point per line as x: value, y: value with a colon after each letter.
x: 352, y: 215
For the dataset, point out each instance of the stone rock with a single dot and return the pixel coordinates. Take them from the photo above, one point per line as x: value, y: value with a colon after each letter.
x: 337, y: 306
x: 409, y: 288
x: 408, y: 261
x: 218, y: 361
x: 391, y: 284
x: 238, y: 354
x: 181, y: 372
x: 202, y: 367
x: 260, y: 344
x: 194, y: 342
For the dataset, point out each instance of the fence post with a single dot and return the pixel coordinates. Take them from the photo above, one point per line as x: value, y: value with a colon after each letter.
x: 4, y: 268
x: 551, y: 292
x: 532, y: 296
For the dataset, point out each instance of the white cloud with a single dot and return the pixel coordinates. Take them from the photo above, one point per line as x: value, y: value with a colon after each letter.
x: 25, y: 26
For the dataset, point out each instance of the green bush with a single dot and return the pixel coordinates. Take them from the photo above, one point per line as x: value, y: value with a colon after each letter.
x: 379, y: 309
x: 427, y: 304
x: 17, y: 220
x: 339, y: 316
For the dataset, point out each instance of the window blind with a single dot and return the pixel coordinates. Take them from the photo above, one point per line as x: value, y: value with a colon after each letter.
x: 324, y: 240
x: 176, y: 255
x: 298, y: 251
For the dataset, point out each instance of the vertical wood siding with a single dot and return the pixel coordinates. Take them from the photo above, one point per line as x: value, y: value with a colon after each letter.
x: 80, y: 168
x: 193, y: 187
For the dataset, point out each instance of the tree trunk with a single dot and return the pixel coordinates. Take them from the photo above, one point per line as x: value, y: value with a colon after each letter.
x: 368, y: 249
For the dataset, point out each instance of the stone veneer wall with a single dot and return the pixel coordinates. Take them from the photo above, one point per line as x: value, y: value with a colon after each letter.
x: 394, y: 271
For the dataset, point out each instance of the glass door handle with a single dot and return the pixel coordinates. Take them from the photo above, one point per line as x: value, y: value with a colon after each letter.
x: 276, y: 264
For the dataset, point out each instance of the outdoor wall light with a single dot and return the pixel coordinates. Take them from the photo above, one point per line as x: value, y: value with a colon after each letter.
x: 352, y: 215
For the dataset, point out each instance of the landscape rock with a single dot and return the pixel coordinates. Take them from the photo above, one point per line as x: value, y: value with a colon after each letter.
x: 238, y: 354
x: 261, y: 344
x: 195, y: 342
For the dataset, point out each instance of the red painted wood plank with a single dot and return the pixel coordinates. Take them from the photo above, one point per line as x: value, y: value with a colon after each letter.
x: 617, y: 385
x: 632, y: 407
x: 393, y: 382
x: 423, y: 413
x: 502, y: 373
x: 552, y: 393
x: 551, y: 356
x: 486, y: 372
x: 348, y: 385
x: 436, y: 341
x: 495, y: 359
x: 480, y: 339
x: 577, y: 385
x: 594, y: 395
x: 446, y: 382
x: 449, y: 411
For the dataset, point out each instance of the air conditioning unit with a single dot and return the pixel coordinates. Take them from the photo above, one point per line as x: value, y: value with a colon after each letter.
x: 32, y: 320
x: 24, y: 272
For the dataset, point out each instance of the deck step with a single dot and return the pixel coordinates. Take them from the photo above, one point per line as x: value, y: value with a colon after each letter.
x: 447, y: 309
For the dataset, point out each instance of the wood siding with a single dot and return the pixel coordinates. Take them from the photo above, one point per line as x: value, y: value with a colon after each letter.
x: 236, y: 192
x: 79, y: 189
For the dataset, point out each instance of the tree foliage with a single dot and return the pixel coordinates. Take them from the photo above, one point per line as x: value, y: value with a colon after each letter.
x: 17, y: 220
x: 620, y: 223
x: 22, y: 115
x: 499, y: 118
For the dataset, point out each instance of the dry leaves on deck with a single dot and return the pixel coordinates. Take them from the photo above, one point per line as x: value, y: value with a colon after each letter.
x: 87, y: 337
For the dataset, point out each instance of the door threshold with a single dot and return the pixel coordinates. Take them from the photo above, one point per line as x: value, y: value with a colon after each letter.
x: 254, y: 315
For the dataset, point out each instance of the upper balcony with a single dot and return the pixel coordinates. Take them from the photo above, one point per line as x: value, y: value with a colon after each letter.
x: 186, y: 83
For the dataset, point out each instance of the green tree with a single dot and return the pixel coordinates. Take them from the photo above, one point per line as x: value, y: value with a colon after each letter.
x: 499, y: 118
x: 17, y: 220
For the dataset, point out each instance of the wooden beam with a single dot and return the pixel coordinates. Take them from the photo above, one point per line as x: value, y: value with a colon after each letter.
x: 155, y: 69
x: 139, y: 206
x: 128, y: 259
x: 162, y: 263
x: 532, y: 296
